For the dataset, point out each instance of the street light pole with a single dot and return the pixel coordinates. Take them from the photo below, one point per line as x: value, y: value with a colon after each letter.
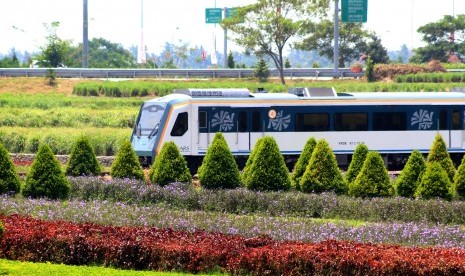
x: 336, y: 38
x: 85, y: 37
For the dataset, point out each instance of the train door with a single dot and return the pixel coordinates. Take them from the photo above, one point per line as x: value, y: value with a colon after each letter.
x: 456, y: 129
x: 450, y: 126
x: 249, y: 129
x: 203, y: 135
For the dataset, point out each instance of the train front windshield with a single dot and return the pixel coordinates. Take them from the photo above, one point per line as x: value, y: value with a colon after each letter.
x: 149, y: 120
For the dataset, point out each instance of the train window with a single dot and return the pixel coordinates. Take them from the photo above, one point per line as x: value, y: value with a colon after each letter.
x: 180, y: 125
x: 389, y: 121
x: 202, y: 119
x: 242, y: 121
x: 443, y: 119
x: 311, y: 122
x: 350, y: 121
x: 456, y: 119
x: 256, y: 120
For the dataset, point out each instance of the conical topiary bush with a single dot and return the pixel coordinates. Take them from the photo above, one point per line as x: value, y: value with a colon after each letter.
x: 356, y: 164
x: 459, y: 179
x: 268, y: 171
x: 169, y: 166
x: 9, y: 180
x: 322, y: 173
x: 435, y: 183
x: 45, y: 177
x: 302, y: 162
x: 126, y: 164
x: 438, y: 153
x: 409, y: 178
x: 219, y: 168
x: 250, y: 160
x: 82, y: 160
x: 373, y: 180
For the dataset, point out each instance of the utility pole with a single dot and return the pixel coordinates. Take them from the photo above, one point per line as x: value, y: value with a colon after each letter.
x: 225, y: 47
x: 85, y: 37
x: 336, y: 38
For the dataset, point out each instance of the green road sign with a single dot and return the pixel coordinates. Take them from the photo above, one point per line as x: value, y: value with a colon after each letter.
x: 213, y: 15
x: 354, y: 10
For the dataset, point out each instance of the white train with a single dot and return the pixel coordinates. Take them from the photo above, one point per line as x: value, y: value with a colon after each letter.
x: 391, y: 123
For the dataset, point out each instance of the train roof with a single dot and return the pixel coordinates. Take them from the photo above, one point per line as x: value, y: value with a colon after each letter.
x: 314, y: 94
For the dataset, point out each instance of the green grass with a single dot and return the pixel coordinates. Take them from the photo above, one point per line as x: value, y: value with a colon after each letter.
x: 14, y: 268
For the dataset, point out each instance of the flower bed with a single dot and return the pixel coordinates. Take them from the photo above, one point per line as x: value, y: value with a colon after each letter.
x: 165, y: 249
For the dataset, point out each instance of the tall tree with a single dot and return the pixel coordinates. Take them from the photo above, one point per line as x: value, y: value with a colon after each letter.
x: 265, y: 27
x: 320, y: 36
x: 54, y: 51
x: 442, y: 38
x: 376, y: 51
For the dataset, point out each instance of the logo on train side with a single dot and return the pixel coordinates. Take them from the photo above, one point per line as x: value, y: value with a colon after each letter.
x: 279, y: 122
x: 423, y: 118
x: 224, y: 119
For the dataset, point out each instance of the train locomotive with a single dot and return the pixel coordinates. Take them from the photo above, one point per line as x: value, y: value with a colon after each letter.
x: 392, y: 123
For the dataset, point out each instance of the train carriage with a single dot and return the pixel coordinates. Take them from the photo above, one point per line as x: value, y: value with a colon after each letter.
x: 393, y: 124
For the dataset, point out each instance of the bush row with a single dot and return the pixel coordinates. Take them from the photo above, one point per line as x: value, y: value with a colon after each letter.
x: 291, y: 203
x: 105, y: 141
x: 164, y: 249
x: 67, y: 117
x: 390, y: 71
x: 431, y: 77
x: 50, y: 101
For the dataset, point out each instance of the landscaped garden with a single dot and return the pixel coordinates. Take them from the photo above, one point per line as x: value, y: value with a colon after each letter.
x: 262, y: 220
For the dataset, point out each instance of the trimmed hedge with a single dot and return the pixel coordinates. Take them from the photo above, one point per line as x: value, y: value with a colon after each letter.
x: 126, y: 164
x: 169, y: 166
x: 358, y: 158
x: 410, y: 177
x: 435, y: 183
x: 219, y: 169
x: 9, y: 179
x: 45, y: 177
x: 438, y: 153
x: 302, y: 162
x: 82, y: 160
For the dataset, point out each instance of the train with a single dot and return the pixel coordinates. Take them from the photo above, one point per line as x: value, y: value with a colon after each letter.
x: 392, y: 123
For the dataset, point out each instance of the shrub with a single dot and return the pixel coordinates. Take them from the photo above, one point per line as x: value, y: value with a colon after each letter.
x: 438, y: 153
x: 82, y: 160
x: 45, y: 177
x: 435, y: 183
x: 169, y: 166
x: 219, y: 168
x: 126, y: 164
x: 322, y: 172
x: 268, y: 170
x: 302, y: 162
x: 250, y: 160
x: 9, y: 180
x: 409, y: 178
x: 356, y: 164
x: 261, y: 71
x: 373, y: 180
x: 459, y: 179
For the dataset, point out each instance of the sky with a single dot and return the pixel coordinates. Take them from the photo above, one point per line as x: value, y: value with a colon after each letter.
x: 180, y: 21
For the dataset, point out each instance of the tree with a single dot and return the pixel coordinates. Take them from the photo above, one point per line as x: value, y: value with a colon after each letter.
x: 9, y: 181
x: 261, y: 71
x: 82, y: 160
x: 250, y: 160
x: 219, y: 168
x: 410, y: 177
x: 169, y: 166
x: 373, y: 180
x: 268, y: 171
x: 435, y: 183
x: 322, y: 173
x: 231, y: 63
x: 320, y: 36
x: 54, y: 52
x: 126, y: 164
x: 442, y: 38
x: 376, y: 51
x: 266, y: 26
x: 302, y: 162
x: 356, y: 164
x: 45, y: 177
x: 104, y: 54
x: 438, y: 153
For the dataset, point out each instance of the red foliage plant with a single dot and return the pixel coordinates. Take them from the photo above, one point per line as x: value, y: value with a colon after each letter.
x: 35, y: 240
